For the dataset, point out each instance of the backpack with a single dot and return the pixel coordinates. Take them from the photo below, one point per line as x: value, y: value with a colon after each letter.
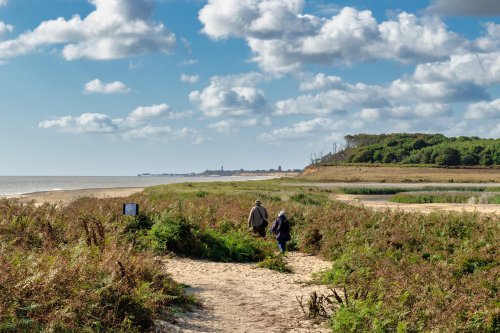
x: 283, y: 226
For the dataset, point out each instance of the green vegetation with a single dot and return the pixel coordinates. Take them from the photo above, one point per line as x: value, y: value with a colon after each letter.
x: 181, y: 237
x: 417, y: 149
x: 85, y: 267
x: 66, y: 270
x: 419, y: 272
x: 394, y: 190
x: 446, y: 197
x: 276, y: 263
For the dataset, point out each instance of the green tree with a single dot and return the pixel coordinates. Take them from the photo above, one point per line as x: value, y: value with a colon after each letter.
x: 486, y: 158
x: 448, y: 156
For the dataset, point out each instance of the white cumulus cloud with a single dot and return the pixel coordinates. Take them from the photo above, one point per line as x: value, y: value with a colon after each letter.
x: 283, y: 39
x: 156, y: 111
x: 320, y: 81
x: 86, y: 123
x: 317, y: 129
x: 484, y: 110
x: 98, y: 87
x: 423, y: 110
x: 233, y: 95
x: 163, y: 134
x: 5, y: 28
x: 333, y: 101
x: 115, y: 29
x: 189, y: 78
x: 234, y: 125
x: 142, y: 123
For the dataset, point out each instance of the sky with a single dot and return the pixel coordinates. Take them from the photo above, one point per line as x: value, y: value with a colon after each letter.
x: 121, y: 87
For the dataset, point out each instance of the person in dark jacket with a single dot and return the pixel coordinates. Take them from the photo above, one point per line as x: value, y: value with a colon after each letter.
x: 281, y: 227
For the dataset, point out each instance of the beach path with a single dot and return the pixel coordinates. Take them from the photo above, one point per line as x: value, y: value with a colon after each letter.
x: 242, y: 298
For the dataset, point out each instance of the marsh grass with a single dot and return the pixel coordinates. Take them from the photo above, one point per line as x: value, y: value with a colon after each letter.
x: 395, y: 190
x: 446, y: 197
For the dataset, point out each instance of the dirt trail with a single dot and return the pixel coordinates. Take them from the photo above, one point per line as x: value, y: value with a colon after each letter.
x: 242, y: 298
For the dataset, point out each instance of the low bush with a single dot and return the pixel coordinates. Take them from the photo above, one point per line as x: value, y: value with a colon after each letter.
x: 169, y: 234
x: 276, y: 263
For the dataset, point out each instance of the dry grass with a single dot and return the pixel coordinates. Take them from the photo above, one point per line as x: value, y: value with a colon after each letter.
x: 68, y: 269
x: 398, y: 174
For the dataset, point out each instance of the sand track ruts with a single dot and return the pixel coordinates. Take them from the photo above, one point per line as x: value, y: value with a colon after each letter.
x: 241, y: 298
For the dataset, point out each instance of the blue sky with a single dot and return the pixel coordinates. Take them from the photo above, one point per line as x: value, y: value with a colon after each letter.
x: 119, y: 87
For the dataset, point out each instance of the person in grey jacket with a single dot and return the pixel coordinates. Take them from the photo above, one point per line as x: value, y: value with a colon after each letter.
x: 256, y: 219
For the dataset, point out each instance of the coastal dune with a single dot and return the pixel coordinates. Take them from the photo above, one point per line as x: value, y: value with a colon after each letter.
x: 67, y: 196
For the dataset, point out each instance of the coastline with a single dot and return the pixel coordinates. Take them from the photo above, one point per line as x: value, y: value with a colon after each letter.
x: 66, y: 196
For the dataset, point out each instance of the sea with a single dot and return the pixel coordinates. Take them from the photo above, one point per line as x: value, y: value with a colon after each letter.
x: 14, y: 185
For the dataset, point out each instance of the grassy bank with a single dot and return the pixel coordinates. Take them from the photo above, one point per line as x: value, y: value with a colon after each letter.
x: 418, y: 273
x: 399, y: 174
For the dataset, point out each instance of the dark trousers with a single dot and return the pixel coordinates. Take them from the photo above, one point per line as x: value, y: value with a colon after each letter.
x: 282, y: 245
x: 261, y: 231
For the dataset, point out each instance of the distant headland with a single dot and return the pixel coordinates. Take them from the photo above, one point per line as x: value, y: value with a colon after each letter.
x: 221, y: 172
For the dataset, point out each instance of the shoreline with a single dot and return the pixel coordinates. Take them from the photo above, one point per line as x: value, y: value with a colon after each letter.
x: 67, y: 196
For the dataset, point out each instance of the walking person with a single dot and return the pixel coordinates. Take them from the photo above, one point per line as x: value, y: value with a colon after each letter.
x: 258, y: 219
x: 281, y: 227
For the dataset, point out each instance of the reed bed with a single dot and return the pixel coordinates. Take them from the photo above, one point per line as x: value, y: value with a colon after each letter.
x: 395, y: 190
x: 458, y: 197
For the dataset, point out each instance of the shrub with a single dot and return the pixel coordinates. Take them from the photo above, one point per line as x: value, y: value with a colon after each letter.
x: 448, y: 156
x: 170, y: 234
x: 276, y: 263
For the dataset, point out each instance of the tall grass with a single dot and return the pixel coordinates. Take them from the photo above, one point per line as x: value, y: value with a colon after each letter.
x: 63, y: 271
x: 446, y: 197
x: 395, y: 190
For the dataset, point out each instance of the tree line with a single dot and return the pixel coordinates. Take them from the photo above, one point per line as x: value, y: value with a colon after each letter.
x: 404, y: 148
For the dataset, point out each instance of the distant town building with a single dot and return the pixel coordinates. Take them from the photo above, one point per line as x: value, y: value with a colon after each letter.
x: 279, y: 168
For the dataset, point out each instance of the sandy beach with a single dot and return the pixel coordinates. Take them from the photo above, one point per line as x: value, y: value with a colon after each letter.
x: 66, y: 196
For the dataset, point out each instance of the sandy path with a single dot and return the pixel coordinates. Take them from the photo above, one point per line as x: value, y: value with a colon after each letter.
x: 242, y: 298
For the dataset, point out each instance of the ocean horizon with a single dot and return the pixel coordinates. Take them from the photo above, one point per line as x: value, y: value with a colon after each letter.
x: 16, y: 185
